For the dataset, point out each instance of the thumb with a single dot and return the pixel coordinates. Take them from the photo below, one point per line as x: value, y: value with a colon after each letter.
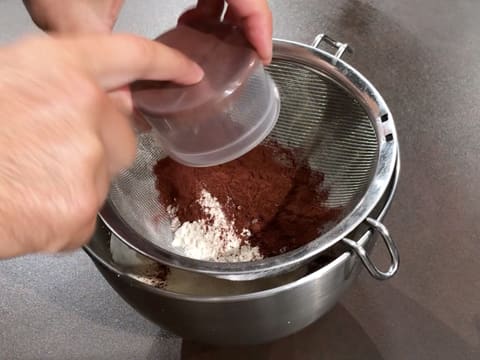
x: 117, y: 60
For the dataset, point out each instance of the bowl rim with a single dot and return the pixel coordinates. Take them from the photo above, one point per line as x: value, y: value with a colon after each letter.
x: 337, y: 262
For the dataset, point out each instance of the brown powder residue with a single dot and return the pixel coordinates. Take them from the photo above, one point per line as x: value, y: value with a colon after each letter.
x: 266, y: 191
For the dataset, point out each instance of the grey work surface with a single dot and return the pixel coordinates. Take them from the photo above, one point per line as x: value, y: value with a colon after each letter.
x: 424, y: 57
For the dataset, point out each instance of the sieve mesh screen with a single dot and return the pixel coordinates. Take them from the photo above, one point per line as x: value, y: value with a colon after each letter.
x: 317, y: 116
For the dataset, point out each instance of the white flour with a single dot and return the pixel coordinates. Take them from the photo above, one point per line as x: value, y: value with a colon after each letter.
x: 214, y: 238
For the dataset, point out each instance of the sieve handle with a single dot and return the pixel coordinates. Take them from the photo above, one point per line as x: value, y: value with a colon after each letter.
x: 341, y: 47
x: 378, y: 227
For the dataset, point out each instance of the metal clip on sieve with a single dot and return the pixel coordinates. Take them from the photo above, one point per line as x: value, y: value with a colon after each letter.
x: 341, y: 47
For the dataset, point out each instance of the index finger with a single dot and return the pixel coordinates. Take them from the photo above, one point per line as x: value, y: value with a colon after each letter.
x: 117, y: 60
x: 256, y: 19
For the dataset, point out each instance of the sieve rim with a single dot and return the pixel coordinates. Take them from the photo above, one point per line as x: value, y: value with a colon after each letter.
x: 382, y: 120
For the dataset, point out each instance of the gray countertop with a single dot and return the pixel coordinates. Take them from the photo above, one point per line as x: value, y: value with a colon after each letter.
x: 424, y: 57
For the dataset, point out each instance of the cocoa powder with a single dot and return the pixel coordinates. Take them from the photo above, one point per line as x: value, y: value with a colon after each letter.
x: 267, y: 191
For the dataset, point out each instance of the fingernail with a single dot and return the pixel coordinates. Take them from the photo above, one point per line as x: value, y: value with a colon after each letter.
x: 139, y: 123
x: 198, y: 73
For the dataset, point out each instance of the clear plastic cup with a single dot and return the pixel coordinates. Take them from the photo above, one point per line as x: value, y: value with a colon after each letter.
x: 227, y: 114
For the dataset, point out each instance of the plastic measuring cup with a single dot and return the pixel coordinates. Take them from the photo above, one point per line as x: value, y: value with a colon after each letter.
x: 224, y: 116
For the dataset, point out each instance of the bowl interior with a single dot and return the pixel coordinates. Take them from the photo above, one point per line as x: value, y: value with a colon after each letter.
x: 143, y: 271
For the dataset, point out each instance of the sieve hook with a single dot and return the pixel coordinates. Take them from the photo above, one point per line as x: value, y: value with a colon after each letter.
x: 363, y: 255
x: 341, y: 47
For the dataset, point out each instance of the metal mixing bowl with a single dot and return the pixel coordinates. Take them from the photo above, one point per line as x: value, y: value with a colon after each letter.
x: 252, y: 318
x: 262, y: 316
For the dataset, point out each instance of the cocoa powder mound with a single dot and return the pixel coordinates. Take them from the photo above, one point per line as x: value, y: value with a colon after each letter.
x: 267, y: 191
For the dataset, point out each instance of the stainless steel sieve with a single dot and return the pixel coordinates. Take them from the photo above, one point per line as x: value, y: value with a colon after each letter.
x: 345, y: 129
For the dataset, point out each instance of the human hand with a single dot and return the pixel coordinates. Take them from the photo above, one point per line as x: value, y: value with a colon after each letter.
x: 62, y: 137
x: 253, y: 16
x: 74, y: 16
x: 83, y: 16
